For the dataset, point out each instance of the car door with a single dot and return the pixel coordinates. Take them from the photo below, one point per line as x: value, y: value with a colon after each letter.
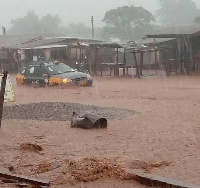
x: 36, y: 75
x: 28, y: 76
x: 20, y: 77
x: 42, y: 76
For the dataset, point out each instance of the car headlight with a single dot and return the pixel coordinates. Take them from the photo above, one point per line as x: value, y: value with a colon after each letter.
x: 88, y: 76
x: 66, y: 80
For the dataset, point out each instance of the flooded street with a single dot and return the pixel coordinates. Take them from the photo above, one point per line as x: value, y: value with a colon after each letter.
x: 107, y: 94
x: 165, y: 130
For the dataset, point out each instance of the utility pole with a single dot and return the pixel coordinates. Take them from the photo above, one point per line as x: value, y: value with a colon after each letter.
x: 4, y: 30
x: 92, y: 21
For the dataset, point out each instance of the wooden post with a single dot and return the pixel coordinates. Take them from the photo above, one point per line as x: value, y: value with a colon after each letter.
x: 80, y: 54
x: 96, y: 59
x: 124, y: 63
x: 92, y: 21
x: 2, y: 92
x: 117, y: 62
x: 181, y: 40
x: 101, y: 69
x: 89, y: 59
x: 155, y: 57
x: 110, y: 70
x: 70, y: 54
x: 136, y: 65
x: 18, y: 178
x: 76, y: 54
x: 141, y: 61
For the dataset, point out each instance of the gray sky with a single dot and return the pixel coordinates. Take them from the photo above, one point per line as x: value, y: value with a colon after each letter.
x: 69, y: 10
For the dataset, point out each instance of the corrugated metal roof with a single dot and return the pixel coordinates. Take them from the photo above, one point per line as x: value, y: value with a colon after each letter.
x: 147, y: 41
x: 174, y: 32
x: 48, y: 46
x: 106, y: 45
x: 29, y: 41
x: 42, y: 42
x: 12, y: 41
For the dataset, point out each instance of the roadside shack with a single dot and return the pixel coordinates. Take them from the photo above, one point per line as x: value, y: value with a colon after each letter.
x: 105, y: 55
x: 186, y: 46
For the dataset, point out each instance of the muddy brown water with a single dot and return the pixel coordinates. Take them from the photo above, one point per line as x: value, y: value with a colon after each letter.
x: 167, y: 128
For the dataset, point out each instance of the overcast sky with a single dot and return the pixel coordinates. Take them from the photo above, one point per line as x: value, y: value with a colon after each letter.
x: 69, y: 10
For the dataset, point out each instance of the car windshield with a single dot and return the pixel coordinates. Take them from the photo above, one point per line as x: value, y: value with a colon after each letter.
x: 59, y: 69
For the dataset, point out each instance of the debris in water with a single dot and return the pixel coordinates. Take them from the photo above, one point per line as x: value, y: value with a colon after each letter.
x: 31, y: 147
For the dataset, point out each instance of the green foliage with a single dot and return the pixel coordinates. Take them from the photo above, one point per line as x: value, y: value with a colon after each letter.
x: 127, y: 22
x: 177, y: 12
x: 31, y: 24
x: 79, y: 30
x: 50, y: 24
x: 197, y: 20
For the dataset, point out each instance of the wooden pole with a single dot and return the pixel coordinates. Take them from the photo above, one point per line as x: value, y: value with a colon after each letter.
x: 124, y: 62
x: 151, y: 180
x: 117, y: 62
x: 141, y: 61
x: 2, y: 92
x: 25, y: 179
x: 90, y: 59
x: 96, y: 60
x: 76, y: 54
x: 80, y: 55
x: 181, y: 40
x: 136, y: 65
x: 155, y: 56
x: 92, y: 21
x: 70, y: 54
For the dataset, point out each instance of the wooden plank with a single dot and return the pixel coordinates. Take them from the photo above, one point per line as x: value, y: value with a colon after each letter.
x: 158, y: 181
x: 25, y: 179
x: 2, y: 92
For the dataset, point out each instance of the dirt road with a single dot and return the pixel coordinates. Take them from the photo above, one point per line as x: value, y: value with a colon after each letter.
x: 161, y: 138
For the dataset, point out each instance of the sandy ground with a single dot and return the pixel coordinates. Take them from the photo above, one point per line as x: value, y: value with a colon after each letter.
x: 166, y: 131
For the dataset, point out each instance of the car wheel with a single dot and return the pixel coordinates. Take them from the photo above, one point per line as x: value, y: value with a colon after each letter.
x: 89, y: 83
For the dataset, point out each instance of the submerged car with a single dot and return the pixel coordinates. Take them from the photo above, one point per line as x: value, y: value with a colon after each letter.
x: 52, y: 73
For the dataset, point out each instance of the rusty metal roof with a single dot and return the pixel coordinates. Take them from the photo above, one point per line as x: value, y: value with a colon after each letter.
x: 30, y: 41
x: 177, y: 31
x: 47, y: 41
x: 12, y: 41
x: 105, y: 45
x: 147, y: 41
x: 47, y: 46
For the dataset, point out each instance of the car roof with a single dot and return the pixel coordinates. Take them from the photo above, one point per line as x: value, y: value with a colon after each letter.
x: 43, y: 63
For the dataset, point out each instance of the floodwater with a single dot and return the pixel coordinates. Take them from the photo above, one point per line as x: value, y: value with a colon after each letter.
x: 165, y: 131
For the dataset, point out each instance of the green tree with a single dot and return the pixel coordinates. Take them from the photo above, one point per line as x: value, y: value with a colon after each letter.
x: 50, y: 24
x: 29, y: 24
x: 79, y: 30
x: 177, y: 12
x: 197, y: 20
x: 127, y: 22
